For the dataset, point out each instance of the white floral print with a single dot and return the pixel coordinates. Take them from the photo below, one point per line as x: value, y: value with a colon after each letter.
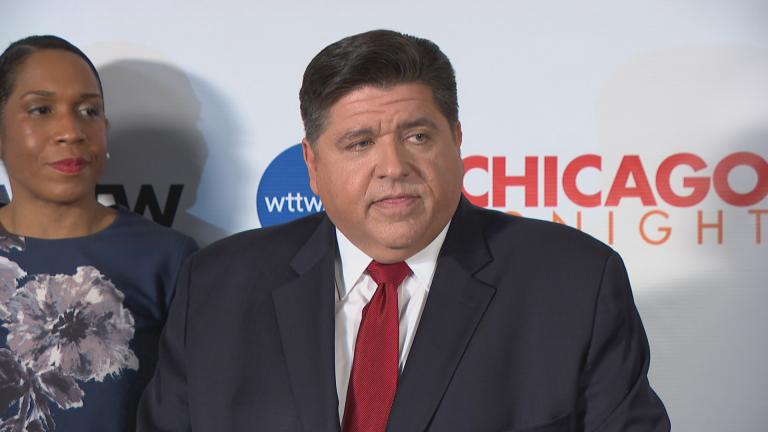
x: 74, y: 324
x: 61, y: 329
x: 10, y: 273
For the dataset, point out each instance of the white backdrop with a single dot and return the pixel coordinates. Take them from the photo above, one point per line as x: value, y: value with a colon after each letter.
x: 204, y: 96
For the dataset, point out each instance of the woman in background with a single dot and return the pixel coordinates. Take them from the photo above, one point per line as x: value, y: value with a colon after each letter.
x: 84, y: 289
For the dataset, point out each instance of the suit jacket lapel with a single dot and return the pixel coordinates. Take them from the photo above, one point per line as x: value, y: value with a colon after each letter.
x: 456, y: 303
x: 305, y: 315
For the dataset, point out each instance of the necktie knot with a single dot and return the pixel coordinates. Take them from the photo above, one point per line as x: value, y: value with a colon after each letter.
x: 389, y: 274
x: 373, y: 378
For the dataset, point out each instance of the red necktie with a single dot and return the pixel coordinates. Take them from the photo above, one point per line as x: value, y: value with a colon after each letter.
x: 373, y: 380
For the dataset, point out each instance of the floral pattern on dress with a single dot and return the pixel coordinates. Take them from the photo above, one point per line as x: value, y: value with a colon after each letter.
x: 61, y: 329
x: 74, y: 324
x: 10, y: 273
x: 10, y: 241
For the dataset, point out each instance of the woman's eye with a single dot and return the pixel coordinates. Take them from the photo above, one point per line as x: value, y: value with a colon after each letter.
x: 39, y: 110
x: 90, y: 111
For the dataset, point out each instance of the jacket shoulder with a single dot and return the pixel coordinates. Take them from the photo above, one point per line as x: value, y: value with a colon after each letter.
x: 261, y: 246
x: 504, y: 231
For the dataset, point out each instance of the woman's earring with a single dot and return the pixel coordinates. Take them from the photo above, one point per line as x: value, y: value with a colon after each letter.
x: 108, y: 156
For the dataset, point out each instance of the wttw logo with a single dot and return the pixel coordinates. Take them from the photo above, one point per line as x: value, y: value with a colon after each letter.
x: 284, y: 193
x: 293, y: 203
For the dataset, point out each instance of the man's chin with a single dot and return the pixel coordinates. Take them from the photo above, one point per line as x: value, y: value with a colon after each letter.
x: 402, y: 243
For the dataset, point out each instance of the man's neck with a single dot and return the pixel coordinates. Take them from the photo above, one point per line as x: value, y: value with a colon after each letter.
x: 352, y: 261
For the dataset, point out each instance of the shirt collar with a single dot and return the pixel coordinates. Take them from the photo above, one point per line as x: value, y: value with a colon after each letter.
x: 352, y: 262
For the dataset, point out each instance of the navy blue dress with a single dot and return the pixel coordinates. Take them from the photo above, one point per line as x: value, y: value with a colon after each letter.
x: 81, y: 319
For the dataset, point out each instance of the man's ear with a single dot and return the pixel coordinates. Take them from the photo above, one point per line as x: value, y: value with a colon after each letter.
x: 457, y: 135
x: 310, y: 159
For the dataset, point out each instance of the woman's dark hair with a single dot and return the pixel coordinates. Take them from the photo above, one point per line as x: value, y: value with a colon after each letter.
x: 380, y: 58
x: 17, y: 52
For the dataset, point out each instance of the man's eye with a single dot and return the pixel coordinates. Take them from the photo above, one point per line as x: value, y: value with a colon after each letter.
x: 418, y: 138
x: 360, y: 145
x: 39, y: 110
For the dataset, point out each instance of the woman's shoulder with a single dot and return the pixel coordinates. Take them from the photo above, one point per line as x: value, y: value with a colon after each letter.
x: 132, y: 228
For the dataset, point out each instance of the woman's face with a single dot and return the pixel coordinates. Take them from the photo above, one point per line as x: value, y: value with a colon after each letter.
x: 53, y: 131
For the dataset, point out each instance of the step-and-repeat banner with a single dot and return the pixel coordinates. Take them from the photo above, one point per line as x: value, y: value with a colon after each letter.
x: 644, y: 124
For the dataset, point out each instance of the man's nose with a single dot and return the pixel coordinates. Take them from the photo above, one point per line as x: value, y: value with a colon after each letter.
x: 392, y: 159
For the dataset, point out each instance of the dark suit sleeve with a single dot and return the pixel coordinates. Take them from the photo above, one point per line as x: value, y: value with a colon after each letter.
x: 616, y: 395
x: 164, y: 405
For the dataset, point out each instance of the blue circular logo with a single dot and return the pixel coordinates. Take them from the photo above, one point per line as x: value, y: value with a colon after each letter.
x: 284, y: 193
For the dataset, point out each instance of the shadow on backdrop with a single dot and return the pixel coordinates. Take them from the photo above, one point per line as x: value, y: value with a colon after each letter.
x: 157, y: 149
x: 704, y: 306
x: 715, y: 318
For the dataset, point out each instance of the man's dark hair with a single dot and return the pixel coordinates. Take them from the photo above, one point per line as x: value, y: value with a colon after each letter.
x: 379, y: 58
x: 17, y: 52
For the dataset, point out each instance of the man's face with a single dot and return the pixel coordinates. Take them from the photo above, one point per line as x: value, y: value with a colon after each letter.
x: 388, y: 169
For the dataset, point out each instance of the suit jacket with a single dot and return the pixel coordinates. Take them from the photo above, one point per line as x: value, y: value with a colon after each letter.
x: 529, y: 326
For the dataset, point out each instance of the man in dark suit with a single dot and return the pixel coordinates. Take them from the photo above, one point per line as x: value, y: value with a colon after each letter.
x: 402, y: 307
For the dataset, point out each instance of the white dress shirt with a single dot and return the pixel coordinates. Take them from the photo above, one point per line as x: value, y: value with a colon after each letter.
x: 355, y: 288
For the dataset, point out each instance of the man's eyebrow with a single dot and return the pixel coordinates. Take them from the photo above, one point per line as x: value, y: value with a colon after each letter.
x: 354, y: 134
x: 405, y: 125
x: 418, y: 122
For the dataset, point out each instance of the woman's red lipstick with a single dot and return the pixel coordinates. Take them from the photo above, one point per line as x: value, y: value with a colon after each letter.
x: 69, y: 166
